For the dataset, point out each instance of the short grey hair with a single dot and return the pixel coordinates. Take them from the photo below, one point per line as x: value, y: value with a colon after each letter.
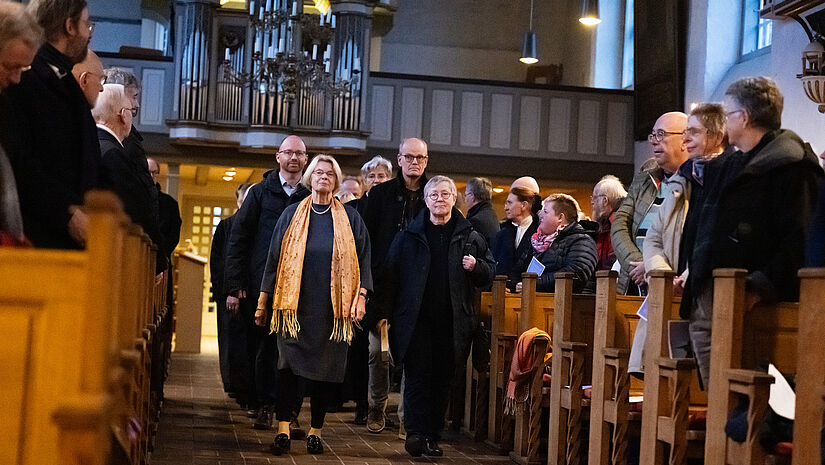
x: 376, y: 162
x: 115, y: 75
x: 17, y: 23
x: 436, y: 180
x: 306, y: 180
x: 612, y: 188
x: 110, y: 103
x: 481, y: 188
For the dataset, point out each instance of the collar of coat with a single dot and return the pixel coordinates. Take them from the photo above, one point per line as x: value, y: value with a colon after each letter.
x: 779, y: 148
x: 416, y: 228
x: 272, y: 182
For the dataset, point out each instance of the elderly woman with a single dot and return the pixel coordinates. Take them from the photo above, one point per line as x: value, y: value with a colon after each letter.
x: 426, y: 287
x: 316, y: 281
x: 664, y: 247
x: 561, y: 244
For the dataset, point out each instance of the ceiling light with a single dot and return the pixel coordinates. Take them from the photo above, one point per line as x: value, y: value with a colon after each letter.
x: 590, y: 13
x: 528, y: 49
x: 230, y: 172
x: 228, y: 178
x: 498, y: 190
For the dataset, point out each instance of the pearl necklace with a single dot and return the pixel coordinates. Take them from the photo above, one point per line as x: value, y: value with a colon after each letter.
x: 320, y: 213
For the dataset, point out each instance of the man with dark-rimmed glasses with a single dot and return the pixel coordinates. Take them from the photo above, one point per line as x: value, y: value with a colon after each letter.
x: 643, y: 197
x: 391, y: 208
x: 253, y: 352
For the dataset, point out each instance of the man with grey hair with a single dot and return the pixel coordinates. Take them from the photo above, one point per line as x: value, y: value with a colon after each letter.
x: 89, y: 75
x: 20, y: 36
x: 608, y: 194
x: 115, y: 75
x: 480, y: 213
x: 391, y: 208
x: 113, y: 114
x: 53, y: 173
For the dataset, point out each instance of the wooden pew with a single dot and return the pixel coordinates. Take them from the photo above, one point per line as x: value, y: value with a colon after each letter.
x: 59, y: 346
x: 810, y: 379
x: 477, y: 375
x: 572, y: 340
x: 742, y: 339
x: 503, y: 329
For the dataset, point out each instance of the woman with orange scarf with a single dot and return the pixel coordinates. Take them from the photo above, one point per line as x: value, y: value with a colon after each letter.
x: 314, y: 290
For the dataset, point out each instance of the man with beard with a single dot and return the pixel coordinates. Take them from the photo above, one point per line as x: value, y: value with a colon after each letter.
x: 53, y: 172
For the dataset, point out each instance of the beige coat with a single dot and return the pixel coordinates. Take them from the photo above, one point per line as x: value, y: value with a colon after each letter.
x: 661, y: 245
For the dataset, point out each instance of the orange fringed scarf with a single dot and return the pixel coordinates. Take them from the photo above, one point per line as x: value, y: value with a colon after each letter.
x: 521, y: 368
x: 345, y: 279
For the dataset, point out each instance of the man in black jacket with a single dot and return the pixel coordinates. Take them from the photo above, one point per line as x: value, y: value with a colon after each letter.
x: 246, y: 256
x: 758, y: 204
x: 53, y: 173
x: 480, y: 213
x: 129, y: 181
x: 391, y: 208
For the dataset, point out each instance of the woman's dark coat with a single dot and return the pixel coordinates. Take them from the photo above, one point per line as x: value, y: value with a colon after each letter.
x: 573, y: 251
x: 400, y: 285
x: 505, y: 252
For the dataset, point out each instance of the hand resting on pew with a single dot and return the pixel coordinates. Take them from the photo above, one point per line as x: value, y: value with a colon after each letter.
x: 637, y: 272
x: 78, y: 225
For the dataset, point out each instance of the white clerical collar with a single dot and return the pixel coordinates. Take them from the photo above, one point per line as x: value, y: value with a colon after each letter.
x: 109, y: 130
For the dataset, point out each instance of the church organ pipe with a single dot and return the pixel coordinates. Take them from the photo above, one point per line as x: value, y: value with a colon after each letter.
x: 194, y: 80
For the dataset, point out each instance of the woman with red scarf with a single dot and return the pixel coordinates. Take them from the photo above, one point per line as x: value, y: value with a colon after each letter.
x: 560, y: 244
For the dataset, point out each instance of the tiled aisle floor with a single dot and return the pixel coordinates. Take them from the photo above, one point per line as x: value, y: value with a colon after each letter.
x: 200, y: 425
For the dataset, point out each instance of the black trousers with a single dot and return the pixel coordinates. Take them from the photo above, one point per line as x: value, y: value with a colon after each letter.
x: 290, y: 386
x: 358, y: 369
x: 266, y: 364
x: 243, y: 348
x: 223, y: 341
x: 429, y: 367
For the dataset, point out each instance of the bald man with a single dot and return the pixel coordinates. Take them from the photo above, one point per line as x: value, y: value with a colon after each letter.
x: 246, y: 253
x: 639, y: 207
x: 89, y: 75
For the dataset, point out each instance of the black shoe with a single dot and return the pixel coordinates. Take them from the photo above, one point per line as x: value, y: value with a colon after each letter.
x: 432, y: 449
x: 264, y: 420
x: 280, y: 445
x: 295, y: 430
x: 414, y: 445
x: 360, y: 417
x: 314, y: 445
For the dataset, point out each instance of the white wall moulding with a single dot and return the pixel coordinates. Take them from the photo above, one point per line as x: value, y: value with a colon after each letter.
x: 506, y: 120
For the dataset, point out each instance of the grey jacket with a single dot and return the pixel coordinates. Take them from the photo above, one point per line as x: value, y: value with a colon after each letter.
x: 628, y: 218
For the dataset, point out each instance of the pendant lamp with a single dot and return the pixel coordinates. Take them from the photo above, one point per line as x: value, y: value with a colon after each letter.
x: 590, y: 13
x: 528, y: 49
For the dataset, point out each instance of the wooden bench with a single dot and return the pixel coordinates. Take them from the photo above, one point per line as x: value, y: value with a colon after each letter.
x: 741, y: 340
x: 74, y: 375
x: 810, y: 379
x: 477, y: 375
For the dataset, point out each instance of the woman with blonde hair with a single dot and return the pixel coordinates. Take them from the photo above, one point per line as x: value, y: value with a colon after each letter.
x: 314, y: 290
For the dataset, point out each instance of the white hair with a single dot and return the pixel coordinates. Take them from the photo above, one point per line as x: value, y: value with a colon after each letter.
x: 306, y: 180
x: 612, y: 188
x: 376, y: 162
x: 110, y: 103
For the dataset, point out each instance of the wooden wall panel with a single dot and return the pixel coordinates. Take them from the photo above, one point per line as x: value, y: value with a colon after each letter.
x: 529, y: 123
x: 412, y: 111
x: 588, y: 130
x: 501, y: 120
x: 382, y: 112
x: 441, y: 127
x: 617, y: 129
x: 472, y: 107
x: 559, y: 134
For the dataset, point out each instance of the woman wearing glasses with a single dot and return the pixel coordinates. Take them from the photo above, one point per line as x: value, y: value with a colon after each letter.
x: 426, y: 285
x: 316, y: 281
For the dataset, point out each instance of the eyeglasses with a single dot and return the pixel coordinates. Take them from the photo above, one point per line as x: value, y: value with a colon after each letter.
x: 328, y: 174
x: 439, y: 195
x: 293, y: 153
x: 693, y: 132
x: 131, y: 110
x: 660, y: 135
x: 91, y: 25
x: 10, y: 68
x: 414, y: 158
x: 728, y: 113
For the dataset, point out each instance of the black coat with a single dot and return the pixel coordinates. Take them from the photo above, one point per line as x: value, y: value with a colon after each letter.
x: 384, y: 215
x: 251, y: 233
x: 815, y: 253
x: 484, y: 220
x: 51, y: 140
x: 505, y: 251
x: 757, y: 208
x: 217, y: 258
x: 399, y: 288
x: 573, y: 250
x: 170, y: 221
x: 129, y: 183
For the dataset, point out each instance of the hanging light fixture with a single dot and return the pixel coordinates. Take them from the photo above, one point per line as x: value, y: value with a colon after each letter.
x: 590, y: 13
x: 528, y: 49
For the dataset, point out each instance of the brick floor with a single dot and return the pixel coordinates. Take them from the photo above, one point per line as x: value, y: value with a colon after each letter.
x: 200, y: 425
